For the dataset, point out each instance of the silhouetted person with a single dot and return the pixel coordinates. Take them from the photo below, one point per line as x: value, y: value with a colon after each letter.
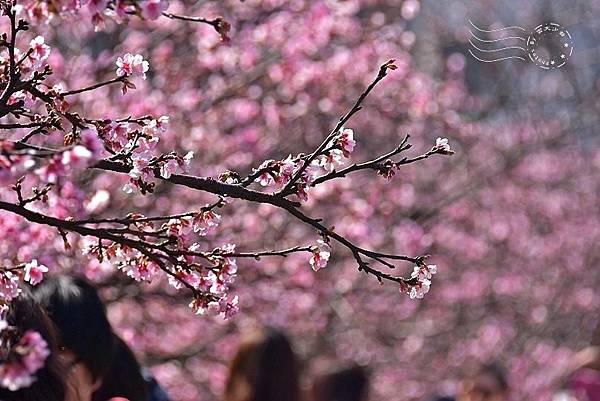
x: 49, y: 385
x: 91, y: 348
x: 83, y: 329
x: 264, y: 368
x: 341, y: 383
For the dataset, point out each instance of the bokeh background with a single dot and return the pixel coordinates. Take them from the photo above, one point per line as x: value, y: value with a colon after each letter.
x: 512, y: 219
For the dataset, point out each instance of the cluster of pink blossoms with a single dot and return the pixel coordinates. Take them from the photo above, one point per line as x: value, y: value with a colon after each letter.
x: 10, y: 279
x: 9, y: 285
x: 24, y: 359
x: 201, y: 223
x: 343, y: 146
x: 278, y: 173
x: 213, y: 282
x: 139, y: 146
x: 29, y: 63
x: 10, y: 167
x: 121, y: 10
x: 76, y: 158
x: 422, y: 274
x: 35, y: 57
x: 224, y: 307
x: 132, y: 65
x: 208, y: 273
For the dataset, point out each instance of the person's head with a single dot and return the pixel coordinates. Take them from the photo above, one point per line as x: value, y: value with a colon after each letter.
x: 346, y: 382
x: 124, y: 377
x: 30, y: 369
x: 83, y: 328
x: 264, y: 368
x: 489, y: 383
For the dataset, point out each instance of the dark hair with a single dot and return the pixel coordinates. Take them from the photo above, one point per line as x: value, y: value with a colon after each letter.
x: 347, y: 382
x: 124, y: 378
x: 264, y: 368
x: 75, y: 308
x: 24, y: 314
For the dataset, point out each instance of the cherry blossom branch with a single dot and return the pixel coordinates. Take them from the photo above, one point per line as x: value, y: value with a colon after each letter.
x: 95, y: 86
x: 166, y: 250
x: 375, y: 164
x: 165, y: 246
x: 257, y: 255
x: 356, y: 108
x: 358, y: 252
x: 22, y: 125
x: 66, y: 224
x: 219, y: 24
x: 277, y: 199
x: 133, y: 219
x: 236, y: 191
x: 12, y: 68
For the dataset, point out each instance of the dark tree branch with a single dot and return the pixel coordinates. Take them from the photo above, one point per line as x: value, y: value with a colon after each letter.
x: 356, y: 108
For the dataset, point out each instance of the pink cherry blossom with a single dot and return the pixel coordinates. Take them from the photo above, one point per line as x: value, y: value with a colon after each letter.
x: 122, y: 8
x: 152, y: 9
x: 231, y: 308
x: 97, y: 6
x: 418, y: 290
x: 132, y: 65
x: 286, y: 170
x: 169, y: 167
x: 423, y: 272
x: 442, y: 145
x: 206, y: 222
x: 38, y: 350
x: 141, y: 168
x: 320, y: 255
x: 78, y: 157
x: 199, y: 305
x: 118, y: 135
x: 331, y: 160
x: 141, y: 269
x: 345, y: 140
x: 205, y: 283
x: 265, y: 179
x: 39, y: 49
x: 34, y: 272
x: 147, y: 146
x: 162, y: 123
